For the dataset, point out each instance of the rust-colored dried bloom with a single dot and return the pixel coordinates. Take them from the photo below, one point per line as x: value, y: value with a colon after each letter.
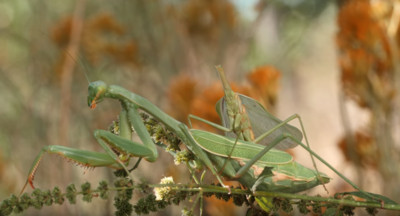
x: 61, y: 32
x: 365, y: 57
x: 208, y: 19
x: 101, y: 39
x: 365, y: 152
x: 181, y: 94
x: 96, y: 38
x: 126, y: 53
x: 60, y: 35
x: 106, y: 22
x: 204, y: 105
x: 265, y: 82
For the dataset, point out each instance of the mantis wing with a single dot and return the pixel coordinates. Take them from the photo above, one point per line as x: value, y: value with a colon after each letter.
x: 261, y: 122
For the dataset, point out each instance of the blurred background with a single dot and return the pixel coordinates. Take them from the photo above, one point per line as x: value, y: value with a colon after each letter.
x: 335, y: 63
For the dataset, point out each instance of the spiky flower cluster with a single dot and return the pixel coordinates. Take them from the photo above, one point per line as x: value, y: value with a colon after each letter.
x: 124, y: 195
x: 175, y: 195
x: 40, y: 198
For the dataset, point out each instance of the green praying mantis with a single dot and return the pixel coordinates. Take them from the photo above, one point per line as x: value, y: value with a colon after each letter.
x: 247, y: 118
x: 255, y: 166
x: 195, y: 140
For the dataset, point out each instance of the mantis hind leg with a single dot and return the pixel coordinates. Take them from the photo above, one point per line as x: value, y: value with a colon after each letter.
x: 372, y: 196
x: 229, y: 156
x: 286, y: 121
x: 288, y: 136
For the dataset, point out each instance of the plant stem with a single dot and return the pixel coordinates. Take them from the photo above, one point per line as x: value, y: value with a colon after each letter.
x: 218, y: 189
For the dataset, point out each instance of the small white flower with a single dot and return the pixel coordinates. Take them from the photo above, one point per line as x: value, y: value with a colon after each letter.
x: 162, y: 192
x: 167, y: 180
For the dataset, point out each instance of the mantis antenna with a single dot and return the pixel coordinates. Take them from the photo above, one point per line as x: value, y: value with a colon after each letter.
x: 80, y: 61
x: 77, y: 60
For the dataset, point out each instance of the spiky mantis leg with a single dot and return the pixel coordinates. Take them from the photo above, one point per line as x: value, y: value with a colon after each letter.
x: 118, y: 149
x: 277, y: 141
x: 251, y: 162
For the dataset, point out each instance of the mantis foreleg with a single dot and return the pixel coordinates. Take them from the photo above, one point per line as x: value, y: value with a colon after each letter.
x: 119, y: 148
x: 285, y: 122
x: 81, y: 157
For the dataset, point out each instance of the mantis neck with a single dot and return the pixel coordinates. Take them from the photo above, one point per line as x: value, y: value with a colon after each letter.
x: 142, y: 103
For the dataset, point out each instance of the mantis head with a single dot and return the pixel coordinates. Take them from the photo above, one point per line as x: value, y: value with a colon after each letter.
x: 97, y: 90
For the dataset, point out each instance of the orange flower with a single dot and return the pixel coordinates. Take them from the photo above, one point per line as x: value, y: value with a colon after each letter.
x: 106, y: 23
x: 126, y: 54
x: 96, y: 43
x: 203, y: 106
x: 265, y: 81
x: 365, y: 56
x: 61, y: 32
x: 364, y: 153
x: 181, y: 94
x: 208, y: 19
